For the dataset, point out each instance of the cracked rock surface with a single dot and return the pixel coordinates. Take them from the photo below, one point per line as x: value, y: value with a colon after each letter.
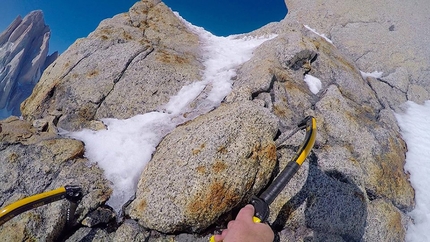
x: 360, y: 155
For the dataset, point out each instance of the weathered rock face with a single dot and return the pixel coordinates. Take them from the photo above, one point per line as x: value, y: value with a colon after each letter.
x: 155, y: 55
x: 389, y: 36
x: 352, y: 188
x: 23, y: 58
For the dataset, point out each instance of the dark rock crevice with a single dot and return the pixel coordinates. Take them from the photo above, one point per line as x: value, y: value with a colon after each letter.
x: 269, y: 90
x: 144, y: 52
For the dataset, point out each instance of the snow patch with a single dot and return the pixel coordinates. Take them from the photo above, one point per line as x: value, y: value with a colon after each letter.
x: 314, y: 83
x: 415, y: 130
x: 375, y: 74
x: 321, y: 35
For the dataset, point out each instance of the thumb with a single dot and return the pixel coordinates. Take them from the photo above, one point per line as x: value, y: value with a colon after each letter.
x: 246, y: 213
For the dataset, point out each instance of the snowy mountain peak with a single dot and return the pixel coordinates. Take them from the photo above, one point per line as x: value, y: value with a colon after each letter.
x: 24, y: 49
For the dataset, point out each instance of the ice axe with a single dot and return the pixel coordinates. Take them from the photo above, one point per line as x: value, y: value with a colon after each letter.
x: 262, y: 202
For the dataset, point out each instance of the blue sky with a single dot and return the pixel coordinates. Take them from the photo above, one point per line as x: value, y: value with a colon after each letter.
x: 70, y: 20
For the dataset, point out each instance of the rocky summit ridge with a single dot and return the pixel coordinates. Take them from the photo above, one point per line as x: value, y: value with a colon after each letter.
x: 351, y: 188
x: 24, y: 47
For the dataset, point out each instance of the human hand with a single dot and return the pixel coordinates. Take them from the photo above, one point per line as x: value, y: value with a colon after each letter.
x: 245, y: 229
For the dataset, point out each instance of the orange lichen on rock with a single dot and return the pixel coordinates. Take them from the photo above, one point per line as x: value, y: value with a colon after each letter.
x: 142, y: 205
x: 197, y: 150
x: 219, y: 166
x: 218, y: 198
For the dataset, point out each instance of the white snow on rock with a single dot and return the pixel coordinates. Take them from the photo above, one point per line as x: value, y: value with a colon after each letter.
x: 314, y: 83
x: 322, y: 35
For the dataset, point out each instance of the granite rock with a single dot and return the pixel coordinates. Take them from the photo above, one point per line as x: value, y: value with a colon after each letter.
x: 206, y: 167
x: 32, y: 162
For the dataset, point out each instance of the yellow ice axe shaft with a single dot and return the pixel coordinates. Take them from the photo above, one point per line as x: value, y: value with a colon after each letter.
x: 69, y: 192
x: 309, y: 123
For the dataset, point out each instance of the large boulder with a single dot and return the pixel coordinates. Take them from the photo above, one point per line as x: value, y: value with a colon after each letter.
x: 206, y: 167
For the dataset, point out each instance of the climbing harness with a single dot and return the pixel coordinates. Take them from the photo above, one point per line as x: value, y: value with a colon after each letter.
x: 261, y: 203
x: 70, y: 192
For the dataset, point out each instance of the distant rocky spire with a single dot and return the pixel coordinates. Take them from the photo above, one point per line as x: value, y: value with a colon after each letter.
x: 24, y: 49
